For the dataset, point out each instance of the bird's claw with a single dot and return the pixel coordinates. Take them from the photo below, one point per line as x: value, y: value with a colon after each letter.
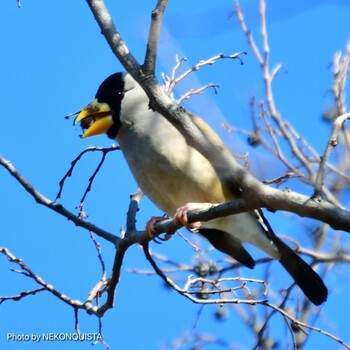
x: 152, y: 233
x: 166, y: 237
x: 181, y: 219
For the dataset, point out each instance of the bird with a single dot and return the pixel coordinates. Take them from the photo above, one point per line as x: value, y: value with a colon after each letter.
x: 177, y: 178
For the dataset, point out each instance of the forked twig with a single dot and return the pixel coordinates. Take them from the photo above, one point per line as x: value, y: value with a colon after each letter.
x: 31, y: 274
x: 58, y: 208
x: 77, y: 159
x: 332, y: 143
x: 210, y: 61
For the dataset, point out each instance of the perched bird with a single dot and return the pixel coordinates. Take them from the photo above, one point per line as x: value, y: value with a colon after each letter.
x: 172, y: 173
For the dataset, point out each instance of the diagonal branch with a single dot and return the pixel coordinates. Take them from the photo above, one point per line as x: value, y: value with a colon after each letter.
x: 48, y: 287
x: 198, y: 91
x: 22, y: 295
x: 58, y: 208
x: 221, y: 158
x: 113, y: 37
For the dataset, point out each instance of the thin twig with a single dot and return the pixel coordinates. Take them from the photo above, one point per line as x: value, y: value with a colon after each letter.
x: 315, y: 157
x: 135, y: 199
x: 91, y: 180
x: 39, y: 280
x: 22, y: 294
x: 268, y: 77
x: 185, y: 292
x: 58, y: 208
x: 198, y: 65
x: 77, y: 159
x: 341, y: 70
x: 198, y: 91
x: 332, y: 142
x: 103, y: 281
x: 76, y: 320
x: 101, y: 339
x: 247, y: 32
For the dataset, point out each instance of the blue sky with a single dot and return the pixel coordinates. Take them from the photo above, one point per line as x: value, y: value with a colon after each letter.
x: 53, y: 60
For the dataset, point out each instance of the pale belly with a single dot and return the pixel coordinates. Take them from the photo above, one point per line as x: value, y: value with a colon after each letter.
x: 171, y: 179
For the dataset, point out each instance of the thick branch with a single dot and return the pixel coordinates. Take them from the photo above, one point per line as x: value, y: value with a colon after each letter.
x: 221, y: 159
x: 153, y: 37
x: 314, y: 208
x: 113, y: 37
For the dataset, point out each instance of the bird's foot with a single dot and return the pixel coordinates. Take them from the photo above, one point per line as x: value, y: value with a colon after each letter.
x: 150, y: 229
x: 181, y: 219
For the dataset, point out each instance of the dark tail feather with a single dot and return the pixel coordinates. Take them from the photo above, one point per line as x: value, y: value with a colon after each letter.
x: 304, y: 276
x: 228, y: 244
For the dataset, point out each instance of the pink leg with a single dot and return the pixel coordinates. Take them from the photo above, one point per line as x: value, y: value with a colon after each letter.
x: 150, y: 227
x: 181, y: 219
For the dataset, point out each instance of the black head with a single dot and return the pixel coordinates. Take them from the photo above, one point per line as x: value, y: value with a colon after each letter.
x: 102, y: 115
x: 111, y: 91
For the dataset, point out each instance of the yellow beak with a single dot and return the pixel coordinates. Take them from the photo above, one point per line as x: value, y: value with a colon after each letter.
x: 95, y: 118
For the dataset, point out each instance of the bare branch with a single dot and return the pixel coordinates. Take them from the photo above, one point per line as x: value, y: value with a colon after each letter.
x: 210, y: 61
x: 247, y: 32
x: 103, y: 281
x: 131, y: 237
x: 77, y: 159
x: 221, y: 159
x: 153, y: 37
x: 22, y: 294
x: 315, y: 157
x: 332, y: 143
x: 280, y: 179
x: 91, y: 180
x: 287, y: 200
x: 113, y: 37
x: 112, y: 283
x: 39, y: 280
x: 58, y: 208
x: 255, y: 194
x: 268, y: 77
x: 341, y: 70
x: 191, y: 92
x: 185, y: 291
x: 135, y: 199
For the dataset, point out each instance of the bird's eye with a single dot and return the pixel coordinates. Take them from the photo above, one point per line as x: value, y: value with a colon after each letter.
x: 120, y: 95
